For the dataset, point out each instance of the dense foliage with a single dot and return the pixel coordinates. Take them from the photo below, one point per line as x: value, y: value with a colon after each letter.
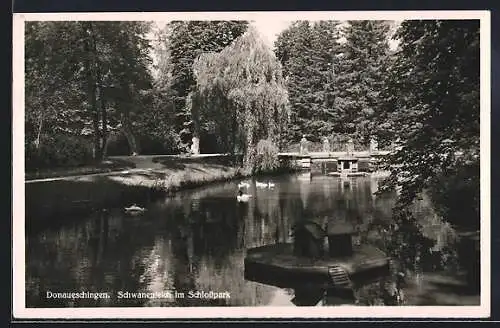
x: 83, y: 81
x: 361, y: 76
x: 186, y: 40
x: 90, y: 85
x: 308, y: 53
x: 335, y: 72
x: 92, y: 90
x: 433, y: 108
x: 266, y: 157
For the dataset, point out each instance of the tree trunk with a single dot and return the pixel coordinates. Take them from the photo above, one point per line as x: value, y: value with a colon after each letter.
x: 249, y: 148
x: 234, y: 132
x: 95, y: 124
x: 39, y: 133
x: 90, y: 63
x: 104, y: 121
x: 105, y: 148
x: 127, y: 131
x: 195, y: 116
x: 38, y: 140
x: 110, y: 136
x: 98, y: 140
x: 101, y: 112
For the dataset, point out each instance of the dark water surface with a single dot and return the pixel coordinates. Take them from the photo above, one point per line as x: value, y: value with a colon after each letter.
x: 196, y: 241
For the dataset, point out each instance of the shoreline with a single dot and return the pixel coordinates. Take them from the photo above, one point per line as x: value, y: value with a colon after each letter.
x: 112, y: 165
x: 145, y: 179
x: 60, y: 199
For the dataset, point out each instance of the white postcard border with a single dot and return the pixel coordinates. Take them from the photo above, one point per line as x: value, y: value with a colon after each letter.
x: 18, y: 248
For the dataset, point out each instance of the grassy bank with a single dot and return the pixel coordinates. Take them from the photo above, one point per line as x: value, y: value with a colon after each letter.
x: 144, y: 179
x: 120, y: 163
x: 186, y: 175
x: 168, y: 174
x: 106, y: 166
x: 140, y: 180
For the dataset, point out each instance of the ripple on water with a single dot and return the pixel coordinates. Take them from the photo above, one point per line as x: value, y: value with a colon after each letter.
x: 197, y: 239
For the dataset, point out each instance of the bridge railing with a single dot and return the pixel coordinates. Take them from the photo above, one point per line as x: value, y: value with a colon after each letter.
x: 333, y: 154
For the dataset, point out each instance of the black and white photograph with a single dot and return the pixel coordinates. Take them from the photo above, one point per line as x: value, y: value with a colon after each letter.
x: 251, y: 164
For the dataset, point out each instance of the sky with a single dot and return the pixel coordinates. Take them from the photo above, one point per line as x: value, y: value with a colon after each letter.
x: 270, y: 29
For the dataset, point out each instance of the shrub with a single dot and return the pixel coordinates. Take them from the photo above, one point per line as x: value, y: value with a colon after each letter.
x: 118, y: 146
x: 59, y: 151
x: 455, y: 195
x: 266, y: 157
x: 289, y: 165
x: 364, y: 165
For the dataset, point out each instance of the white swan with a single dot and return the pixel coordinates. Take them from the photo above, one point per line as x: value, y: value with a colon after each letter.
x: 264, y: 185
x: 134, y: 209
x: 241, y: 197
x: 261, y: 184
x: 243, y: 185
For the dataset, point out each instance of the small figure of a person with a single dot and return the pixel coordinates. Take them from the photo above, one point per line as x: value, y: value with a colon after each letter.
x: 350, y: 146
x: 373, y: 145
x: 303, y: 145
x: 326, y: 145
x: 195, y: 146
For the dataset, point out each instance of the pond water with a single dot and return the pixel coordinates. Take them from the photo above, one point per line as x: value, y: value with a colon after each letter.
x: 197, y: 239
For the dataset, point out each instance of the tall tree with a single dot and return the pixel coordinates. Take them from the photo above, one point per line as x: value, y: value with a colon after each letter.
x: 124, y: 76
x: 361, y: 76
x: 186, y: 41
x: 243, y: 89
x: 50, y: 67
x: 309, y: 53
x: 433, y: 103
x: 84, y: 78
x: 156, y: 126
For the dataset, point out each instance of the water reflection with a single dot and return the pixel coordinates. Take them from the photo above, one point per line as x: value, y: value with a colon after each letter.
x: 196, y: 241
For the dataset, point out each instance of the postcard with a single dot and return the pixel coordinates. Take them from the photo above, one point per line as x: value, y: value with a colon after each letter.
x: 197, y: 165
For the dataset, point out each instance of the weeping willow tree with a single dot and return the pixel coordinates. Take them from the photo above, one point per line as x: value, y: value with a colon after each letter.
x: 240, y: 95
